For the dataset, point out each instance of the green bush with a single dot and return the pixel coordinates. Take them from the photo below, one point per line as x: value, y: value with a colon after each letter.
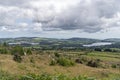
x: 114, y: 66
x: 65, y: 62
x: 3, y: 51
x: 17, y: 50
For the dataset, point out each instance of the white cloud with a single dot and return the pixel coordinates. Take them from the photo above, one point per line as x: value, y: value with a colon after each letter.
x: 36, y: 16
x: 37, y: 27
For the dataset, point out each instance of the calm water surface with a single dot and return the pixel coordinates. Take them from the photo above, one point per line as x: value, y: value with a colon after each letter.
x: 98, y: 44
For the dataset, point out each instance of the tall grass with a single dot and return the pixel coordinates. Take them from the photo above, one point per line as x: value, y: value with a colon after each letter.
x: 6, y: 76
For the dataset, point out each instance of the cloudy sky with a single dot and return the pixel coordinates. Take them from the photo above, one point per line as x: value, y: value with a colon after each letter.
x: 60, y: 18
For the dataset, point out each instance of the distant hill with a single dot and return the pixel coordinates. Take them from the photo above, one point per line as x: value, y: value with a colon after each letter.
x: 39, y: 39
x: 84, y: 40
x: 57, y: 43
x: 112, y: 40
x: 49, y: 42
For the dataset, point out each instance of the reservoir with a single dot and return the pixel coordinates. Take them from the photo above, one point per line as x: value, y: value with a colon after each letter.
x: 98, y: 44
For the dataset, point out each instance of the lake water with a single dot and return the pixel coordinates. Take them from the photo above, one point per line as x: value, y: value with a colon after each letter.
x: 98, y: 44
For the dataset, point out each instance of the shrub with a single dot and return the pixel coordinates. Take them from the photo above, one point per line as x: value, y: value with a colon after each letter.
x: 115, y: 65
x: 17, y: 49
x: 3, y: 51
x: 53, y: 62
x: 78, y: 61
x: 82, y: 60
x: 108, y: 50
x: 56, y: 54
x: 65, y: 62
x: 17, y: 58
x: 94, y: 63
x: 98, y: 49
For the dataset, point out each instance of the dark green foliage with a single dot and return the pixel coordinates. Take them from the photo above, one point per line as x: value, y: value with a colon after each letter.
x: 17, y: 58
x: 98, y: 49
x: 115, y: 66
x: 57, y: 54
x: 108, y: 50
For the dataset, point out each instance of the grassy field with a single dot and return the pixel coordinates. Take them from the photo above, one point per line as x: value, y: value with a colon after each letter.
x: 39, y: 63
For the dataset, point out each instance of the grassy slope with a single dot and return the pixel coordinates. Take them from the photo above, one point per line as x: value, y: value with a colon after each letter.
x: 39, y: 64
